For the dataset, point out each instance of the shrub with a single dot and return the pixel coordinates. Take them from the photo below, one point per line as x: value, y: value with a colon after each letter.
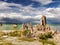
x: 6, y: 43
x: 45, y: 35
x: 26, y: 33
x: 43, y: 38
x: 14, y: 34
x: 26, y: 39
x: 49, y: 35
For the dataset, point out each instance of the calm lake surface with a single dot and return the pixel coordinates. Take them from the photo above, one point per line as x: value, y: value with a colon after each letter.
x: 10, y: 27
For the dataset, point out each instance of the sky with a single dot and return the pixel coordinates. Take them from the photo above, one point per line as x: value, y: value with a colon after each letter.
x: 26, y: 11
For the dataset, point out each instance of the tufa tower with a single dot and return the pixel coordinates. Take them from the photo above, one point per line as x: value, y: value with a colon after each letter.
x: 43, y: 20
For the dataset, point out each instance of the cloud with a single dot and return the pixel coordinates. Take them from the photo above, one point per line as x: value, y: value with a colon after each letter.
x: 54, y: 11
x: 43, y: 2
x: 54, y: 15
x: 16, y: 13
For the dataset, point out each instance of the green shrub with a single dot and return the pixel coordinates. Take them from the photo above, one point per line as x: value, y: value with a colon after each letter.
x: 44, y: 38
x: 26, y: 33
x: 15, y: 33
x: 26, y: 39
x: 50, y: 42
x: 49, y: 35
x: 6, y: 43
x: 45, y: 35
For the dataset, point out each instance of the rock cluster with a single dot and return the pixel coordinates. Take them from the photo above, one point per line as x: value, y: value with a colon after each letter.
x: 42, y: 27
x: 39, y: 27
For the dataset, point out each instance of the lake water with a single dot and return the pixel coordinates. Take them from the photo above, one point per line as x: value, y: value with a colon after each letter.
x: 55, y: 26
x: 10, y: 27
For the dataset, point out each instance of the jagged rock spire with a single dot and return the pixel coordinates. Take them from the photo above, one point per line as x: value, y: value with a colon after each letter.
x: 43, y: 20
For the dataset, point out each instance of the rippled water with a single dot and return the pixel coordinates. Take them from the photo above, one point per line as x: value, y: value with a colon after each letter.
x: 10, y: 27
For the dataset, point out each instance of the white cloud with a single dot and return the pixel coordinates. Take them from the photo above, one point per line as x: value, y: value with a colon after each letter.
x: 53, y: 11
x: 44, y: 2
x: 26, y: 12
x: 13, y: 16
